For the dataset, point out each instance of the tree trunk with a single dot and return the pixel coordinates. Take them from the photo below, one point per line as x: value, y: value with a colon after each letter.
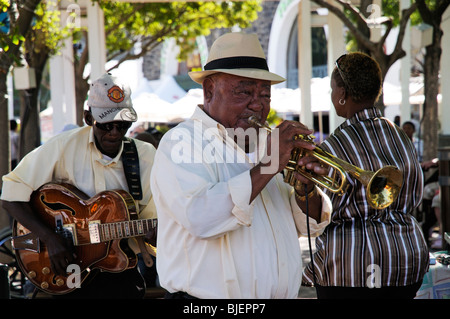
x: 362, y: 26
x: 81, y: 90
x: 5, y: 154
x: 23, y: 22
x: 30, y: 134
x: 430, y: 119
x: 81, y: 83
x: 30, y: 131
x: 432, y: 63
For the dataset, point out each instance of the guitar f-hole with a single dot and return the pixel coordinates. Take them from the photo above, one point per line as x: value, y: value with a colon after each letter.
x: 57, y: 206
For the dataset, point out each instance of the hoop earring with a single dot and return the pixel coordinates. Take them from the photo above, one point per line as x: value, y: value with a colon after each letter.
x: 341, y: 101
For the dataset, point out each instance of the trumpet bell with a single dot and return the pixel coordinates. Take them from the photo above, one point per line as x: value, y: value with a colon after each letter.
x: 384, y: 187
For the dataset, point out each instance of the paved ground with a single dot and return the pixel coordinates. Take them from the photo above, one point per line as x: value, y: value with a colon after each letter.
x: 306, y: 292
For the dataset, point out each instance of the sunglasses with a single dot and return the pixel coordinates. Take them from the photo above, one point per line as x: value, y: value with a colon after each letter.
x: 120, y: 126
x: 341, y: 73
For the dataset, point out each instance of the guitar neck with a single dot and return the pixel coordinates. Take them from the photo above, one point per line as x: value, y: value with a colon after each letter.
x: 123, y: 229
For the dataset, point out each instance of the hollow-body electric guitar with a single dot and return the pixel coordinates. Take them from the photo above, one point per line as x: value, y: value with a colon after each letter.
x: 94, y: 226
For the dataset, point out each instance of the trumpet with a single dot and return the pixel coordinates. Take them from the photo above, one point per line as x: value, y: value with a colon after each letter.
x: 382, y: 186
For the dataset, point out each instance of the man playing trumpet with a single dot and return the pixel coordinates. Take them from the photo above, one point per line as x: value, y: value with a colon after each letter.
x: 229, y: 228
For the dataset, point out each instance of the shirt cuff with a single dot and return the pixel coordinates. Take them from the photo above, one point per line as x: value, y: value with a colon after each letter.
x: 240, y: 188
x: 15, y: 192
x: 300, y: 217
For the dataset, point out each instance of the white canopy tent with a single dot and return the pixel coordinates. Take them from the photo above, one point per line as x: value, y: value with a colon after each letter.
x: 151, y: 108
x: 165, y: 102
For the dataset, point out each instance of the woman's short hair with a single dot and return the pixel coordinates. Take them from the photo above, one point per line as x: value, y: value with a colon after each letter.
x: 360, y: 75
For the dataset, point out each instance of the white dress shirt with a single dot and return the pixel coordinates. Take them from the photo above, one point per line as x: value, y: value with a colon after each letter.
x: 213, y: 243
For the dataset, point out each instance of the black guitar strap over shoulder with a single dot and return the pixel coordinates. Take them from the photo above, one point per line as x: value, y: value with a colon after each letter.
x: 130, y: 160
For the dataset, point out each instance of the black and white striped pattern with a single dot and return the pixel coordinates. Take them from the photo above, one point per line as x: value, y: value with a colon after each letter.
x: 360, y: 237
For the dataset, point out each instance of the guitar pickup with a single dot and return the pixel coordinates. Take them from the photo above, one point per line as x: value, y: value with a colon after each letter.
x: 94, y: 231
x: 70, y: 233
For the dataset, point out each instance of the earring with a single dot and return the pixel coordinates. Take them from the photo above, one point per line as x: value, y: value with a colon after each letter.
x: 341, y: 101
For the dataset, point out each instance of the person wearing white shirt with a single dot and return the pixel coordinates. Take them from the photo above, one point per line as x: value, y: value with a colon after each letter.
x: 90, y: 159
x: 228, y: 225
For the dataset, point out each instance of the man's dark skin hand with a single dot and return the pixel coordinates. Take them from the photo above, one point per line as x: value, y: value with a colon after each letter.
x: 60, y: 253
x: 150, y: 237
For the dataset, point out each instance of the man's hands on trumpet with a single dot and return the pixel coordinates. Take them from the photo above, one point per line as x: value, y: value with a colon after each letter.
x: 288, y: 139
x: 291, y: 134
x: 285, y: 142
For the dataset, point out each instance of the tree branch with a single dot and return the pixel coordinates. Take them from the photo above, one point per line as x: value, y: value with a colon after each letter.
x: 360, y: 36
x: 425, y: 13
x: 146, y: 47
x: 442, y: 6
x: 22, y: 25
x: 150, y: 44
x: 124, y: 18
x: 398, y: 52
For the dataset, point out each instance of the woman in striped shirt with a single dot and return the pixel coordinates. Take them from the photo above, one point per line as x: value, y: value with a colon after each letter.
x: 364, y: 252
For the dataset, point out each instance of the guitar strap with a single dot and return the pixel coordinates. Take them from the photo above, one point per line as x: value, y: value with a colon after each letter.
x: 130, y: 160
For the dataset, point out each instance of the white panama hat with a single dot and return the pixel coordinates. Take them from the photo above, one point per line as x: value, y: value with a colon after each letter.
x: 238, y: 54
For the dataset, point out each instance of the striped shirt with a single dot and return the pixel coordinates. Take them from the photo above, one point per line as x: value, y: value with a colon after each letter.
x: 362, y: 244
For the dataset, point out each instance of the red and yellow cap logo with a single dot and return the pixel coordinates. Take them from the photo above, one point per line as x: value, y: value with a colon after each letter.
x: 116, y: 94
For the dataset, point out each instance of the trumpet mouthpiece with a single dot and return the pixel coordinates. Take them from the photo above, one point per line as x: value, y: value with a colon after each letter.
x: 254, y: 121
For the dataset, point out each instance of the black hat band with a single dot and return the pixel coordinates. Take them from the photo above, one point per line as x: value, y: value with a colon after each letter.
x: 238, y: 62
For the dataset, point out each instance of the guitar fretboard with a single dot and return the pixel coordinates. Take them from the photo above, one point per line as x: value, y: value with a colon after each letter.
x: 126, y: 229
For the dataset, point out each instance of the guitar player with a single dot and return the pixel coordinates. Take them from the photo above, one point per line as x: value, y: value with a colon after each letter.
x: 92, y: 159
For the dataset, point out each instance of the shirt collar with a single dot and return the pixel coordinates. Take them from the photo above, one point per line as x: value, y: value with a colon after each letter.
x: 360, y: 116
x: 100, y: 155
x: 220, y: 130
x: 209, y: 122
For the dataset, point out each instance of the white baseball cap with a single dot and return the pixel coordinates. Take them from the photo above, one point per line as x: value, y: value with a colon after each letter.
x: 110, y: 100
